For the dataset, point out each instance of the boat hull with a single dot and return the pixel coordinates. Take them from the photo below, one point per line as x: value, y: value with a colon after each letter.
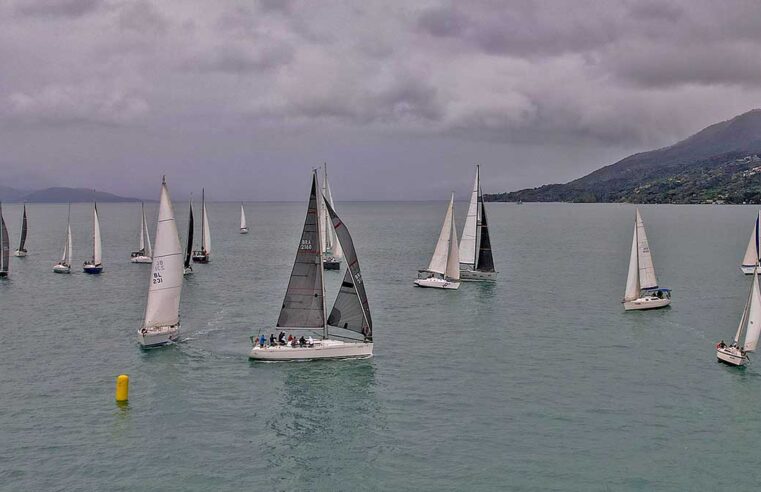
x: 187, y: 271
x: 244, y: 230
x: 322, y: 349
x: 59, y: 268
x: 20, y: 253
x: 158, y: 336
x: 92, y: 269
x: 141, y: 259
x: 201, y: 258
x: 731, y: 356
x: 331, y: 264
x: 747, y: 269
x: 3, y: 274
x: 437, y: 283
x: 477, y: 276
x: 646, y: 303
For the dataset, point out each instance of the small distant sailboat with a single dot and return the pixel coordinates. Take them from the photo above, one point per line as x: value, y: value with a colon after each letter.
x: 64, y: 266
x: 5, y: 246
x: 750, y: 324
x: 95, y: 264
x: 304, y: 303
x: 753, y: 251
x: 204, y: 254
x: 21, y: 251
x: 443, y: 271
x: 642, y: 291
x: 476, y: 261
x: 243, y: 226
x: 143, y: 254
x: 187, y: 265
x: 162, y: 310
x: 331, y: 247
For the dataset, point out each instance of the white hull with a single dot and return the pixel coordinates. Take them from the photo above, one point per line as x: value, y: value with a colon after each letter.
x: 731, y: 356
x: 647, y: 302
x: 475, y: 275
x: 244, y: 230
x: 437, y: 283
x: 160, y: 335
x: 59, y: 268
x: 141, y: 259
x: 21, y: 254
x: 322, y: 349
x: 747, y: 270
x: 187, y: 271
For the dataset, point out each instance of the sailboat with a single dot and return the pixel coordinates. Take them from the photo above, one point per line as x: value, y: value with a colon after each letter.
x: 243, y: 226
x: 304, y: 303
x: 95, y: 264
x: 204, y: 254
x: 5, y: 247
x: 443, y: 271
x: 750, y: 325
x: 642, y: 291
x: 161, y: 324
x: 187, y: 265
x: 64, y: 266
x: 21, y: 251
x: 476, y: 261
x: 331, y: 247
x: 143, y: 254
x: 753, y: 251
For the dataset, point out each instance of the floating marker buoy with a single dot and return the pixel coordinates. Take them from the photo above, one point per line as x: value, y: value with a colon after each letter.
x: 122, y: 388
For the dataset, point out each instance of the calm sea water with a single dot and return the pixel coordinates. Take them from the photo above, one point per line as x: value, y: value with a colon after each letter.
x: 537, y: 382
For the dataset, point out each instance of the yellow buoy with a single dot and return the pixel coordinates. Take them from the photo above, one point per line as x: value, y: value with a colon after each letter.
x: 122, y: 388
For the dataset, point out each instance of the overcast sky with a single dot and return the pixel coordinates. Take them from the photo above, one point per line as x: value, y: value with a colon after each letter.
x: 400, y: 98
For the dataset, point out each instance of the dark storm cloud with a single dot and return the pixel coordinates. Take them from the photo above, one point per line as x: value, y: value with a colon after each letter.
x: 282, y: 85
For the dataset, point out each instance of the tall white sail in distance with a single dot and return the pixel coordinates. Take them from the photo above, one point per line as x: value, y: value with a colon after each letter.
x: 440, y: 258
x: 242, y: 218
x: 453, y: 258
x: 205, y: 232
x: 330, y: 243
x: 469, y: 240
x: 753, y: 250
x: 147, y: 246
x: 647, y: 279
x: 97, y: 247
x: 632, y: 279
x: 5, y: 247
x: 753, y: 325
x: 67, y: 245
x: 165, y: 288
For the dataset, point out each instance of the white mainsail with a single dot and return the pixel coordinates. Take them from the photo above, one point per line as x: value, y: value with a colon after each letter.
x: 328, y: 240
x: 469, y: 240
x: 242, y: 218
x: 752, y: 253
x: 163, y: 306
x: 97, y: 248
x: 647, y: 278
x: 141, y: 246
x: 205, y: 232
x: 453, y: 259
x: 632, y: 279
x: 753, y: 324
x: 147, y: 246
x: 439, y: 260
x: 67, y: 251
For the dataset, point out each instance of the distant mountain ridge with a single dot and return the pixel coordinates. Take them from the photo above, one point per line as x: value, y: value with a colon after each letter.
x: 717, y: 164
x: 60, y: 195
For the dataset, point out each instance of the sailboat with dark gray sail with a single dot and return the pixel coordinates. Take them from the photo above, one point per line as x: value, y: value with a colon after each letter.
x: 188, y: 263
x: 348, y: 331
x: 21, y: 251
x: 5, y: 247
x: 476, y: 261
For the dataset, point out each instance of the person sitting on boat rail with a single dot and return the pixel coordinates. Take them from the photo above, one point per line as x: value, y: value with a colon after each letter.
x: 310, y: 341
x: 302, y: 341
x: 721, y: 344
x: 272, y: 339
x: 262, y: 340
x: 281, y: 338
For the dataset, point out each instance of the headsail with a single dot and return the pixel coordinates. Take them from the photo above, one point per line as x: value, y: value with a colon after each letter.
x: 453, y: 258
x: 647, y: 278
x: 485, y: 261
x: 189, y: 245
x: 469, y: 240
x: 97, y: 248
x: 163, y: 306
x: 632, y: 279
x: 22, y: 243
x: 438, y: 262
x: 753, y: 250
x: 5, y: 247
x: 351, y: 310
x: 304, y: 306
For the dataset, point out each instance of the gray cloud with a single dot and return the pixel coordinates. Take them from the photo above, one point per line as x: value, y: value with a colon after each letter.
x: 56, y: 8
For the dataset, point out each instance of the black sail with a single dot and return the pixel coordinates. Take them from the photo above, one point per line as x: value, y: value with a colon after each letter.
x: 5, y: 253
x: 23, y: 232
x: 485, y: 260
x: 303, y: 306
x: 351, y: 310
x: 189, y: 244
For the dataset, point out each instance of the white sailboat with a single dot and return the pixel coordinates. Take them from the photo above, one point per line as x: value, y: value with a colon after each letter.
x: 64, y: 266
x: 304, y: 303
x: 332, y: 253
x: 753, y: 250
x: 443, y: 271
x: 750, y: 325
x: 21, y: 251
x: 95, y: 264
x: 203, y: 255
x: 161, y: 324
x: 243, y: 226
x: 187, y: 263
x: 5, y: 246
x: 143, y: 254
x: 642, y: 291
x: 476, y: 261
